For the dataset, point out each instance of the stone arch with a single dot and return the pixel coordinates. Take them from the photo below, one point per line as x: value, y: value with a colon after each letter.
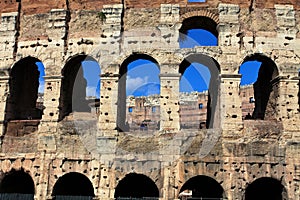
x: 199, y: 20
x: 265, y: 188
x: 24, y: 85
x: 136, y: 186
x: 200, y: 13
x: 122, y: 124
x: 73, y: 87
x: 264, y: 87
x: 17, y: 184
x: 71, y: 185
x: 213, y: 87
x: 131, y: 56
x: 202, y: 186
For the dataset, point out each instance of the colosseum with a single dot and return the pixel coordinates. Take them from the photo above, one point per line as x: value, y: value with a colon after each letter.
x: 58, y: 144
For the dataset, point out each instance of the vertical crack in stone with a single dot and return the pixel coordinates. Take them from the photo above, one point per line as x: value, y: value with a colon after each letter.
x: 122, y: 16
x: 17, y: 28
x: 251, y: 7
x: 253, y: 39
x: 68, y: 19
x: 122, y: 25
x: 252, y: 20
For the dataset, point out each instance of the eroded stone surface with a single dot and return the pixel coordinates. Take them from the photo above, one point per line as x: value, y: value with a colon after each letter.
x: 235, y: 152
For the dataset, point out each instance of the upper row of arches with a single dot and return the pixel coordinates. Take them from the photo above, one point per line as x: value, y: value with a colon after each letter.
x: 80, y: 84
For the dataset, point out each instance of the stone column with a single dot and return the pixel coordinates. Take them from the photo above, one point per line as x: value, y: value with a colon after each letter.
x: 230, y: 102
x: 51, y: 103
x: 4, y: 90
x: 48, y: 125
x: 286, y: 24
x: 108, y: 104
x: 9, y: 38
x: 9, y: 33
x: 287, y: 105
x: 169, y: 25
x: 169, y: 102
x: 229, y: 25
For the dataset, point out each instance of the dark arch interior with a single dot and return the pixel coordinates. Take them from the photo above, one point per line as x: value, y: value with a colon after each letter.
x: 73, y: 184
x: 213, y: 88
x: 263, y: 86
x: 199, y: 22
x: 121, y: 116
x: 136, y: 186
x: 17, y: 182
x: 264, y: 189
x: 73, y: 90
x: 203, y: 187
x: 23, y: 86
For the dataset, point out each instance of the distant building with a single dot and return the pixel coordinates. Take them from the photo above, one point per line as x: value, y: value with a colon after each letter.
x: 193, y: 109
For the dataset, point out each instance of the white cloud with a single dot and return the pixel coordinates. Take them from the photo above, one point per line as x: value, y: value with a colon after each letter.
x: 134, y: 83
x: 90, y: 91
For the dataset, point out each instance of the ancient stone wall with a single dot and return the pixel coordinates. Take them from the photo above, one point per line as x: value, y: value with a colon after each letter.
x: 233, y: 152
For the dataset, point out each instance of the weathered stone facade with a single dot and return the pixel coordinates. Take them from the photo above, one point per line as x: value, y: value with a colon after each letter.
x: 233, y: 153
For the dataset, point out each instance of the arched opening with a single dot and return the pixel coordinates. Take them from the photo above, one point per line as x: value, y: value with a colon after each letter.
x: 80, y: 89
x: 136, y: 186
x: 265, y: 189
x: 73, y: 185
x: 139, y: 89
x: 198, y: 31
x: 202, y: 187
x: 257, y: 72
x: 26, y: 86
x: 199, y: 89
x: 25, y: 103
x: 17, y: 185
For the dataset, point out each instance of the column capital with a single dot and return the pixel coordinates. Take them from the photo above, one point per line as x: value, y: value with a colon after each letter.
x: 231, y: 76
x: 109, y: 76
x: 4, y: 78
x: 55, y: 77
x: 171, y: 75
x: 283, y: 78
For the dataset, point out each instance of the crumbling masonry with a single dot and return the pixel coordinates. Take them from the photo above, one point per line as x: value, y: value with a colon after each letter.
x: 64, y: 150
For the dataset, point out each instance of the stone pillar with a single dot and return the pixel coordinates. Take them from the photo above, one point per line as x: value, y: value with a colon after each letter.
x: 4, y: 90
x: 166, y: 183
x: 42, y: 189
x: 108, y: 104
x: 287, y: 105
x: 169, y: 26
x: 51, y: 103
x: 286, y: 24
x: 48, y: 125
x: 8, y: 33
x: 169, y: 102
x: 229, y: 25
x: 230, y: 102
x: 111, y: 32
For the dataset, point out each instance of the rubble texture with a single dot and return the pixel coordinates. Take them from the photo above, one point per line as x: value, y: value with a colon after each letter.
x: 232, y: 151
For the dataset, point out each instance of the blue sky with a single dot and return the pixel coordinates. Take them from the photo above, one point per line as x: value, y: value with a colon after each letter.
x: 142, y: 78
x: 143, y: 75
x: 41, y: 77
x: 195, y: 78
x: 91, y: 72
x: 198, y: 37
x: 249, y: 71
